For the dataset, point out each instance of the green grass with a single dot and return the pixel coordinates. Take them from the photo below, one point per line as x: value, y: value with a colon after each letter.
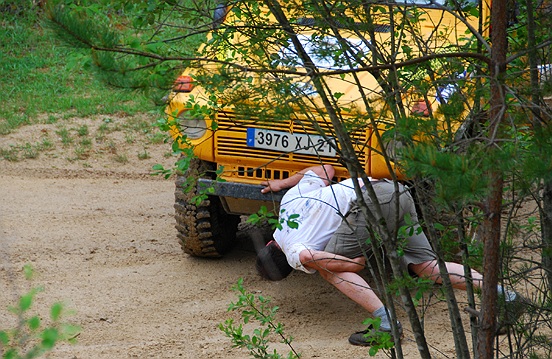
x: 46, y: 81
x: 144, y: 155
x: 42, y: 80
x: 28, y: 150
x: 82, y: 130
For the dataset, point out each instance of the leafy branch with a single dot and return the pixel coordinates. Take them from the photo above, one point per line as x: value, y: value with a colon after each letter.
x: 256, y: 308
x: 31, y: 337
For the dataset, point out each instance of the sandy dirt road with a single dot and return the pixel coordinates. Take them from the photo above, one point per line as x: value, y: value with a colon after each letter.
x: 101, y: 239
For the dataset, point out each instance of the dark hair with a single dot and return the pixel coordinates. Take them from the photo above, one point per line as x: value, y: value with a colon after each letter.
x: 272, y: 263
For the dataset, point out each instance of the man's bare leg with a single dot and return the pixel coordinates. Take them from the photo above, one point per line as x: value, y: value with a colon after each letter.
x: 430, y: 270
x: 355, y: 287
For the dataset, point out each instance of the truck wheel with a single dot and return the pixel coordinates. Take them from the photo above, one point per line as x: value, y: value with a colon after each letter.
x: 204, y: 230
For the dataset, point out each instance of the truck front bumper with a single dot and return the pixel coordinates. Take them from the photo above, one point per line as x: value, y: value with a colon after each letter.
x: 241, y: 198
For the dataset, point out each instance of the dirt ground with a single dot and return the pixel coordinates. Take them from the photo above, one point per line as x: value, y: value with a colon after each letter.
x: 99, y: 233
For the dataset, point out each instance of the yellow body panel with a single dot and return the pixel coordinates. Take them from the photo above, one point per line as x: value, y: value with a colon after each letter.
x: 226, y: 146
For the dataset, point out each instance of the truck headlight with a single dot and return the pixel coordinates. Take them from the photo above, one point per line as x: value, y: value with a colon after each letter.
x: 192, y: 127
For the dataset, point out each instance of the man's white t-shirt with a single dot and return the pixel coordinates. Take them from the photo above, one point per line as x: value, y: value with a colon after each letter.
x: 320, y: 208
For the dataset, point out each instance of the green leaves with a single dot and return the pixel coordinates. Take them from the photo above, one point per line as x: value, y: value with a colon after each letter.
x: 49, y: 338
x: 34, y: 323
x: 28, y: 271
x: 256, y: 309
x: 456, y: 177
x: 338, y: 95
x: 55, y: 311
x: 26, y: 301
x: 4, y: 338
x: 381, y: 340
x: 32, y: 337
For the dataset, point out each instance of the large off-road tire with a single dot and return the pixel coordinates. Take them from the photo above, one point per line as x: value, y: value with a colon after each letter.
x: 205, y: 230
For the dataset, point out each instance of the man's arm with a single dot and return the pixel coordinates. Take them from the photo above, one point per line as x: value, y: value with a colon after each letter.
x: 325, y: 172
x: 330, y: 262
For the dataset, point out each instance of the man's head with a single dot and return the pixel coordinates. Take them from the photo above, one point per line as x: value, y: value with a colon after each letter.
x: 272, y: 263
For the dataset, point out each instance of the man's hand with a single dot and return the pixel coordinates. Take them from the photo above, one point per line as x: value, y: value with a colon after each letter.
x: 325, y: 172
x: 273, y: 186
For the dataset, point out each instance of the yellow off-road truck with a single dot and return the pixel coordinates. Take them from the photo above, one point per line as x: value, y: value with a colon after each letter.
x: 235, y: 151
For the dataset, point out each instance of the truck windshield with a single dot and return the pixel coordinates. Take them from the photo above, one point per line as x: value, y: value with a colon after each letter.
x: 429, y: 3
x: 322, y: 52
x: 423, y: 2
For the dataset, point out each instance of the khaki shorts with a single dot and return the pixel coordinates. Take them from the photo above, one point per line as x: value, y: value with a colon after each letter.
x: 352, y: 238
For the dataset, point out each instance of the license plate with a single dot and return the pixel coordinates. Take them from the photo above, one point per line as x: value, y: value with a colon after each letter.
x: 290, y: 142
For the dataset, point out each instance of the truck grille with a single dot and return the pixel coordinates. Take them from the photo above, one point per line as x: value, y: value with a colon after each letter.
x: 231, y: 136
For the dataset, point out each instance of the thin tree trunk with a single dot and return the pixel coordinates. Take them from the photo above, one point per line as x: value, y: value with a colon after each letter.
x: 546, y: 231
x: 474, y: 321
x: 489, y: 299
x: 493, y: 205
